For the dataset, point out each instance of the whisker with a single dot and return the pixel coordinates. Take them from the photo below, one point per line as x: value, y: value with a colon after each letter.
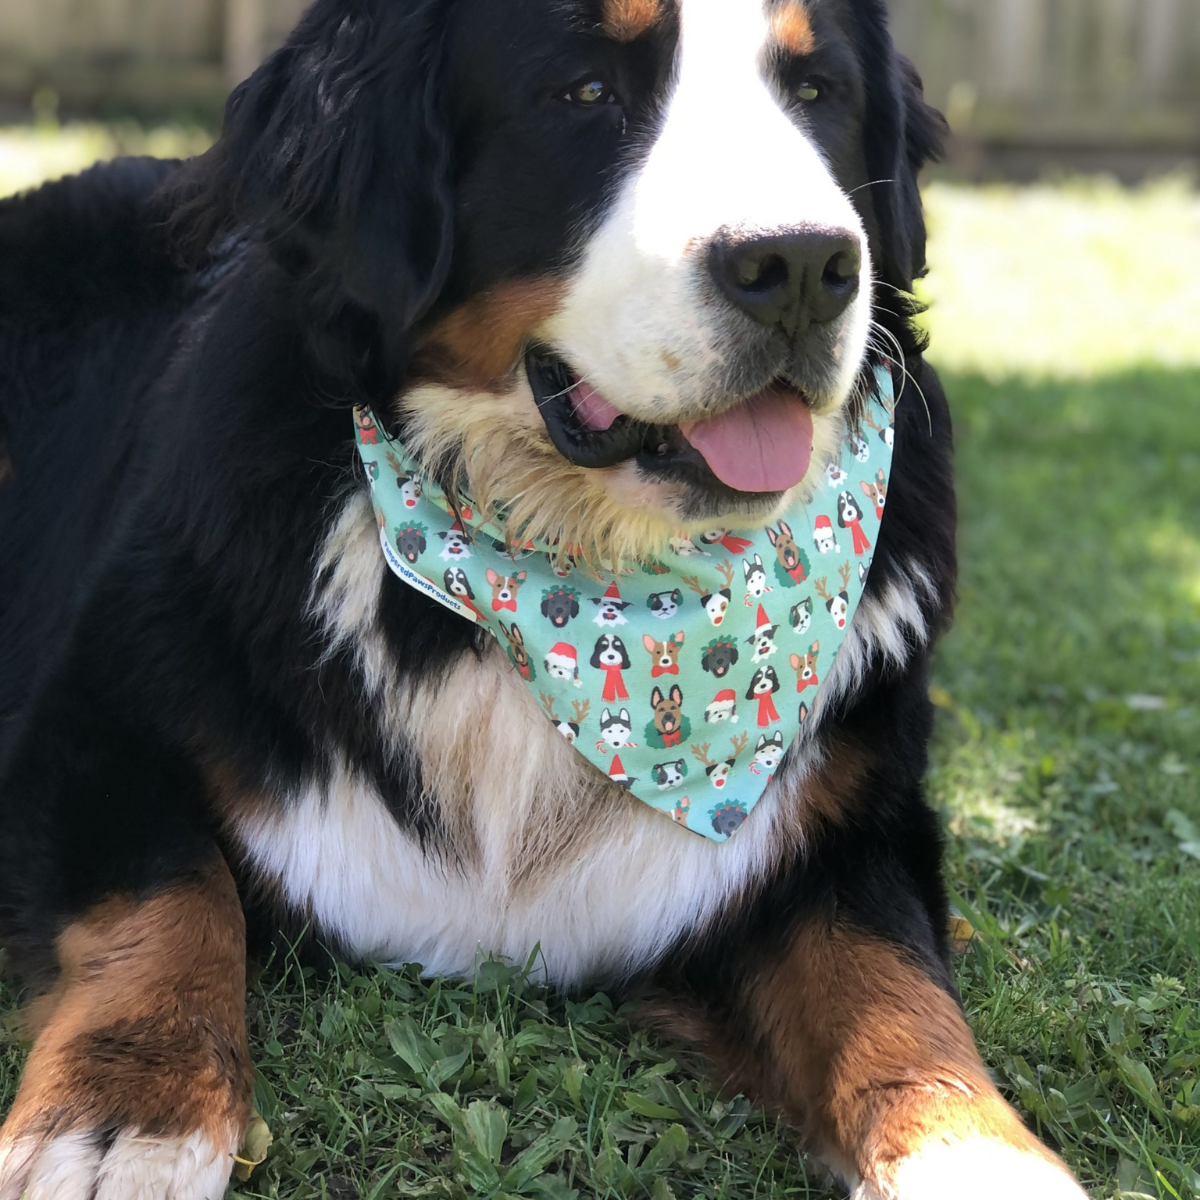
x: 873, y: 183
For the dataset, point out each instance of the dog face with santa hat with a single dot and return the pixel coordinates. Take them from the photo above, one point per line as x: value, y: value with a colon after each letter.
x: 823, y: 538
x: 562, y: 662
x: 722, y: 708
x: 763, y: 640
x: 610, y: 608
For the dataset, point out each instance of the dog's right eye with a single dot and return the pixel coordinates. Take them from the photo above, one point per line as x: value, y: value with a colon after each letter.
x: 590, y: 93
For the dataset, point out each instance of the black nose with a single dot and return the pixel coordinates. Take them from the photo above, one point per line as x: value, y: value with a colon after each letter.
x: 790, y: 279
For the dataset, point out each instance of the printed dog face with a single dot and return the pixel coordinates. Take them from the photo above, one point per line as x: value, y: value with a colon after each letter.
x: 668, y: 711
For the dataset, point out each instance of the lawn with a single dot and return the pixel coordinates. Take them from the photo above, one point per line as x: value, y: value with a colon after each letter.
x: 1067, y: 323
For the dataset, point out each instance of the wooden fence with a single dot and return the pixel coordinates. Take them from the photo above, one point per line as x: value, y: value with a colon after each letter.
x: 1053, y: 75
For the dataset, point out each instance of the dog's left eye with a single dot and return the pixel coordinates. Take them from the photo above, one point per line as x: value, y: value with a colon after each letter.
x: 590, y: 93
x: 807, y: 91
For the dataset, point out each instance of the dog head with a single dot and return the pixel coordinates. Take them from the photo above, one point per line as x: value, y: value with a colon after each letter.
x: 608, y: 265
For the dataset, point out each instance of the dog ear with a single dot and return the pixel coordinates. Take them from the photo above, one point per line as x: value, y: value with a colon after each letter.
x: 336, y: 153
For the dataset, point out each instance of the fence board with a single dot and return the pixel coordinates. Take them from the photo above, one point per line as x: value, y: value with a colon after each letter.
x: 1021, y: 72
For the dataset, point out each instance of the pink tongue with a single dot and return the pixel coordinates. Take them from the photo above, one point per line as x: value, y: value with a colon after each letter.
x: 763, y: 444
x: 592, y: 409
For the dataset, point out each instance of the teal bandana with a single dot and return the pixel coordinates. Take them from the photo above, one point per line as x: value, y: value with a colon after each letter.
x: 684, y: 679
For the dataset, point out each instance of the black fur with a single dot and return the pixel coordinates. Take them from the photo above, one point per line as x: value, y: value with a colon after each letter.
x: 180, y: 347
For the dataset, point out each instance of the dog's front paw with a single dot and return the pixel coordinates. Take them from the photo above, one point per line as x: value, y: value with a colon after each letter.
x: 976, y: 1169
x: 51, y: 1162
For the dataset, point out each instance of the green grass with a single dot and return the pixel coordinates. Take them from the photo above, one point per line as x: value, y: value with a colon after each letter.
x: 1068, y: 323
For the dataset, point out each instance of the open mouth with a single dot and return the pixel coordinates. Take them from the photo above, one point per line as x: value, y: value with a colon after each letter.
x: 761, y: 445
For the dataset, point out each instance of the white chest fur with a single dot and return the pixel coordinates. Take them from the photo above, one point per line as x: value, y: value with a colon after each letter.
x: 548, y: 853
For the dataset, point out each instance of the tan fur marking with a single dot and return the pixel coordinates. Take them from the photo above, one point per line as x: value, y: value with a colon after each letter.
x: 627, y: 20
x: 480, y: 343
x: 864, y: 1053
x: 792, y: 28
x: 146, y: 1027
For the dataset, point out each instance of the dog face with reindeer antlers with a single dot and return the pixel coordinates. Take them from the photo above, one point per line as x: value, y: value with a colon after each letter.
x: 623, y: 289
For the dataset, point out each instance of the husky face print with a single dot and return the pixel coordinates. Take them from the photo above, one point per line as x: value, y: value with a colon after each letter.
x: 801, y: 615
x: 615, y: 730
x: 664, y: 605
x: 669, y: 775
x: 756, y: 578
x: 768, y: 754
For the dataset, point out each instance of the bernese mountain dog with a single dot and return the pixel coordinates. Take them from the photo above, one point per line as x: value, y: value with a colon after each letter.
x: 500, y: 225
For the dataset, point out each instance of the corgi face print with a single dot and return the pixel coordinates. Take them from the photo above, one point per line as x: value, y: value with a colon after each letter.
x: 457, y: 583
x: 664, y: 656
x: 669, y: 775
x: 805, y: 665
x: 664, y: 605
x: 876, y: 492
x: 716, y: 605
x: 560, y: 605
x: 505, y: 589
x: 610, y: 652
x: 801, y: 615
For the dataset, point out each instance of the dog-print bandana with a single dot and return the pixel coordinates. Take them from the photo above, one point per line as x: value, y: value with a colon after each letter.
x: 684, y: 679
